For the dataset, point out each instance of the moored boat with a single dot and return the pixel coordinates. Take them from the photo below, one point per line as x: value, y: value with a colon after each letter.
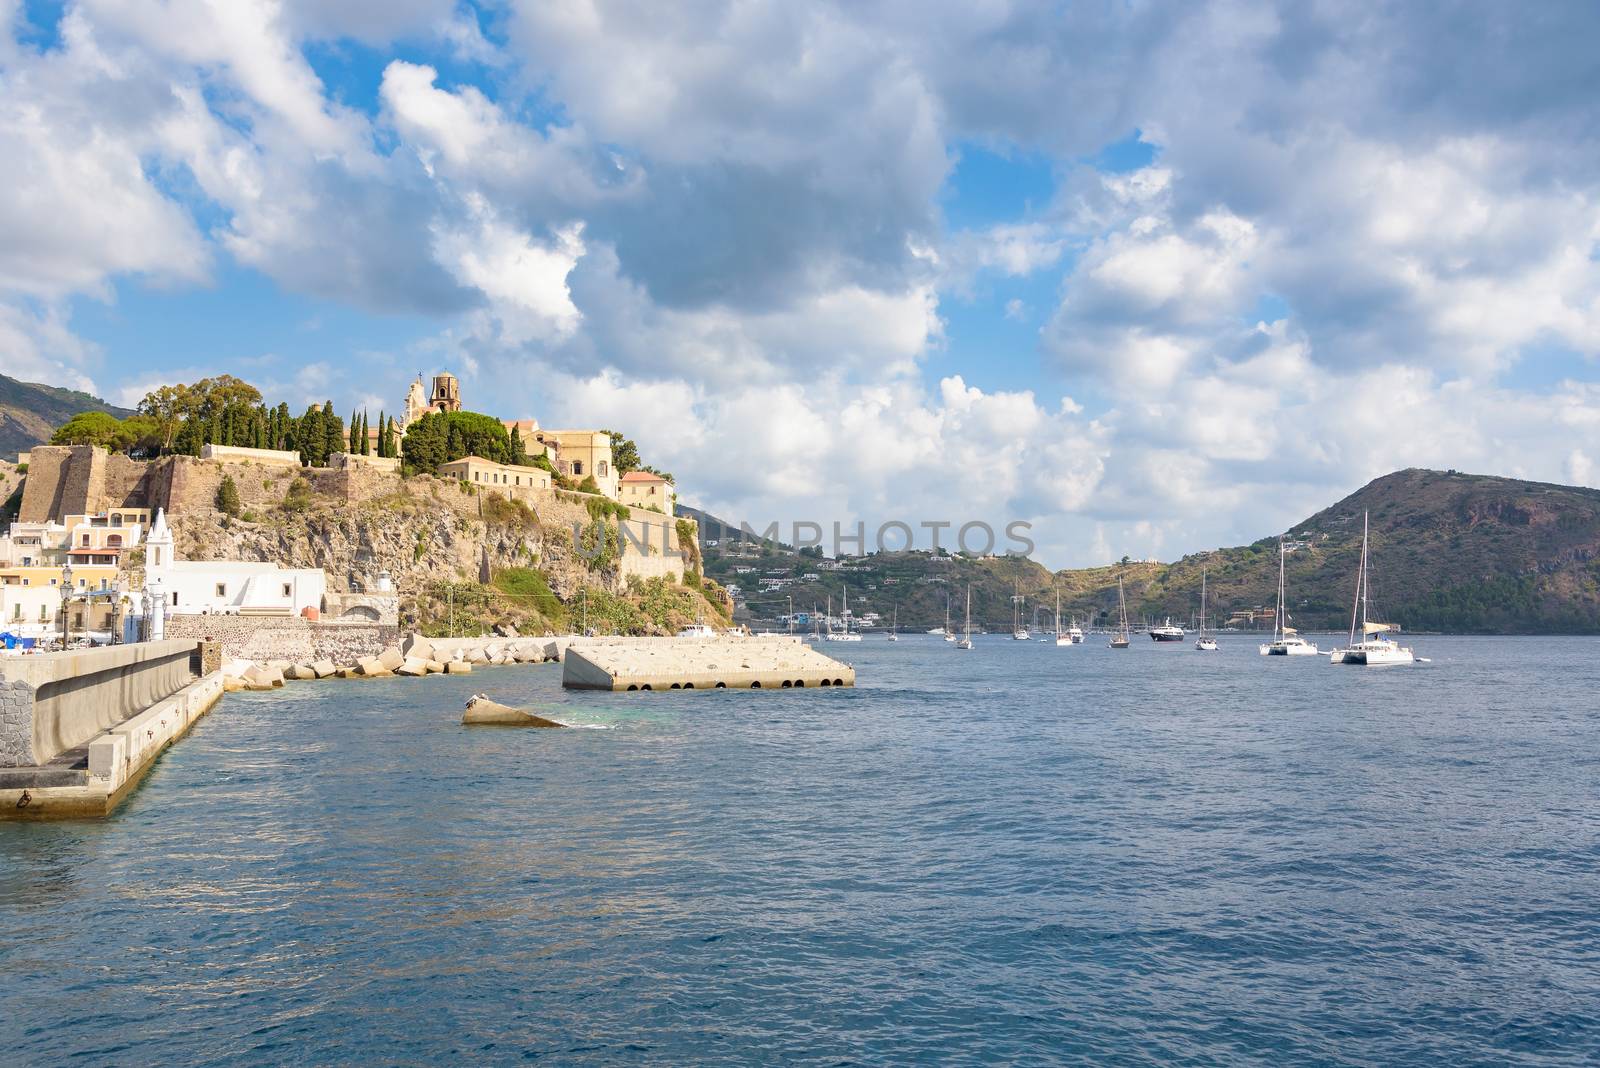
x: 1286, y: 641
x: 1373, y: 650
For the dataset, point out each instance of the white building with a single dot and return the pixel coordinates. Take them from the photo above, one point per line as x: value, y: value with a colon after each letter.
x: 227, y: 587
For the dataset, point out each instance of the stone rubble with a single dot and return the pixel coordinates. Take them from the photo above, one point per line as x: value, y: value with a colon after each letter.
x: 415, y: 658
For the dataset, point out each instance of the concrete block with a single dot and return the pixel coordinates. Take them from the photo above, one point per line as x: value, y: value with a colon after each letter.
x: 475, y: 656
x: 261, y: 677
x: 412, y: 667
x: 324, y: 668
x: 302, y: 672
x: 435, y: 667
x: 372, y: 667
x: 391, y: 658
x: 458, y: 667
x: 481, y: 710
x: 107, y: 754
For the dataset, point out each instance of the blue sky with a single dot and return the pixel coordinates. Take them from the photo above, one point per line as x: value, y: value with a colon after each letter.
x: 1151, y: 281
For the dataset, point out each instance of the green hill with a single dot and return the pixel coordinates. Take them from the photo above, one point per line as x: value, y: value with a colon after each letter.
x: 1449, y: 552
x: 30, y: 412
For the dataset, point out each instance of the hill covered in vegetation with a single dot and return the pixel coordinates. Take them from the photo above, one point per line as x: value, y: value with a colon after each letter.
x: 30, y: 412
x: 1449, y: 552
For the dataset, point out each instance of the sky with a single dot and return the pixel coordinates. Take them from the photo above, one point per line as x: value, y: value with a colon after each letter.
x: 1152, y: 278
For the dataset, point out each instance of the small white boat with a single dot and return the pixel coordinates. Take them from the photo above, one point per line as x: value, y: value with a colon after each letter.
x: 1121, y: 639
x: 1019, y: 632
x: 1286, y: 641
x: 1064, y: 637
x: 697, y: 630
x: 895, y: 626
x: 966, y: 635
x: 1205, y: 643
x: 1373, y: 650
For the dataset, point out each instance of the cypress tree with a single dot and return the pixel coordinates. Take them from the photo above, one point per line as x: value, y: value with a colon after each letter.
x: 332, y: 431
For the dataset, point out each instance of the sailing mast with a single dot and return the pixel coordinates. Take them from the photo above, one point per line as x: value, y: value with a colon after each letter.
x: 1058, y: 614
x: 1359, y: 609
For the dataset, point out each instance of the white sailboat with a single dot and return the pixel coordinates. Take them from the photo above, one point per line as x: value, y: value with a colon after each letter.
x: 966, y: 630
x: 1019, y: 632
x: 1062, y: 637
x: 949, y: 634
x: 1120, y: 640
x: 1205, y: 643
x: 1373, y: 650
x: 1285, y: 640
x: 845, y: 635
x: 894, y: 627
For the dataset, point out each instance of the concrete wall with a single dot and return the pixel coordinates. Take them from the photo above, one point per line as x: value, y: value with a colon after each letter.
x: 240, y: 454
x: 300, y: 641
x: 57, y: 701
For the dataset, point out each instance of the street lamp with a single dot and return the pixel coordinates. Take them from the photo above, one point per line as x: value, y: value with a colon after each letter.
x: 66, y: 594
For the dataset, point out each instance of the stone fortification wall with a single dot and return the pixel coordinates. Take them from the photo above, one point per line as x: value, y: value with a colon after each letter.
x: 65, y: 480
x: 240, y: 454
x: 301, y: 641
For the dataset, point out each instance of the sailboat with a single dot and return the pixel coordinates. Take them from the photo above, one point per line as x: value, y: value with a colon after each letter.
x: 1062, y: 637
x: 1019, y: 632
x: 966, y: 631
x: 894, y: 627
x: 1285, y: 640
x: 845, y: 635
x: 949, y: 634
x: 1373, y: 650
x: 1205, y: 642
x: 1120, y: 639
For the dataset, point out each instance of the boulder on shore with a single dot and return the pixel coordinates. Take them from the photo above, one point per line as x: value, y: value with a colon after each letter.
x: 481, y: 710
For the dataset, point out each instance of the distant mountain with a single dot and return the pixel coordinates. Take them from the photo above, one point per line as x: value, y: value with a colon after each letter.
x: 31, y: 411
x: 1449, y: 552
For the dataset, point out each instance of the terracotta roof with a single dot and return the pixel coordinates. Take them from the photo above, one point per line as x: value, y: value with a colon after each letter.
x: 641, y: 476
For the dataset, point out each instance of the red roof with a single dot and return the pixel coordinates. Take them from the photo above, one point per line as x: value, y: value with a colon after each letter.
x: 641, y: 476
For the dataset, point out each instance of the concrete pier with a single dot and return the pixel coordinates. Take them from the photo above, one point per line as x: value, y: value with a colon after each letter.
x: 78, y: 729
x: 753, y: 663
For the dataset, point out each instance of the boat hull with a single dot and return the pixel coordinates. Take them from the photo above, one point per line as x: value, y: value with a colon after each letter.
x: 1207, y: 645
x: 1166, y: 637
x: 1374, y: 656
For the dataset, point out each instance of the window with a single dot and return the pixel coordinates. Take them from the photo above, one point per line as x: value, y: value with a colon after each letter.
x: 85, y: 540
x: 577, y: 467
x: 288, y: 590
x: 222, y: 589
x: 114, y: 541
x: 174, y: 598
x: 116, y: 519
x: 475, y: 477
x: 16, y: 613
x: 602, y: 469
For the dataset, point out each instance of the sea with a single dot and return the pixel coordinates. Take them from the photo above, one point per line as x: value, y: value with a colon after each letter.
x: 1021, y: 854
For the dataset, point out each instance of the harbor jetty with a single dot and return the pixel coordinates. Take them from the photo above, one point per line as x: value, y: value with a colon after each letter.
x: 695, y: 663
x: 79, y: 729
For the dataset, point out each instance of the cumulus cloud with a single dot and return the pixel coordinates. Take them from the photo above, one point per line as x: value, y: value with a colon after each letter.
x: 1355, y: 240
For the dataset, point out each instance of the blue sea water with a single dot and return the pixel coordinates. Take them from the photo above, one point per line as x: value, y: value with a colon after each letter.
x: 1020, y: 855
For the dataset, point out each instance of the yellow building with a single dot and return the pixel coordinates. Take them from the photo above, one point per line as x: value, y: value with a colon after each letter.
x: 30, y: 599
x: 641, y: 489
x: 504, y: 478
x: 581, y: 454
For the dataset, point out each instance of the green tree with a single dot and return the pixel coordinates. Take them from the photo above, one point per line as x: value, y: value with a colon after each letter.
x: 228, y: 497
x: 168, y: 406
x: 310, y: 435
x: 518, y: 455
x: 624, y: 453
x: 90, y: 428
x: 332, y: 431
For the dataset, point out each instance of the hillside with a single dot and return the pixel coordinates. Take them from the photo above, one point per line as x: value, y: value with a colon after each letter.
x: 1450, y: 552
x: 30, y: 413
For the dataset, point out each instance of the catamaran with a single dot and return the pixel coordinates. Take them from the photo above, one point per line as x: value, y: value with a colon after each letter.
x: 1019, y: 632
x: 1286, y: 641
x: 966, y: 630
x: 1062, y: 637
x: 845, y: 635
x: 1205, y: 642
x: 1373, y: 650
x: 1120, y: 639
